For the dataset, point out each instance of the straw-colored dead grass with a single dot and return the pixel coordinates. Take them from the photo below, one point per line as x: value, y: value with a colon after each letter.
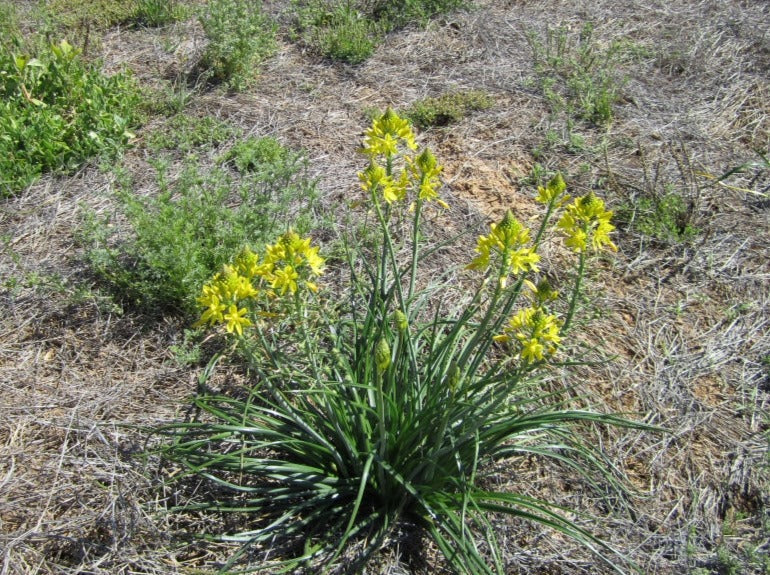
x: 684, y: 327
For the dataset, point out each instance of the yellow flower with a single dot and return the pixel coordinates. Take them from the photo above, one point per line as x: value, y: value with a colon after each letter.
x: 522, y: 260
x: 536, y: 332
x: 532, y: 350
x: 382, y: 138
x: 292, y: 259
x: 426, y: 171
x: 314, y: 261
x: 275, y: 253
x: 214, y: 308
x: 234, y: 286
x: 285, y: 279
x: 584, y: 221
x: 375, y: 179
x: 506, y: 239
x: 485, y: 246
x: 235, y: 319
x: 247, y: 263
x: 552, y: 191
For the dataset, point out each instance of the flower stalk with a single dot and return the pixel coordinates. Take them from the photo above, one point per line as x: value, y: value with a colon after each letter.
x: 392, y: 405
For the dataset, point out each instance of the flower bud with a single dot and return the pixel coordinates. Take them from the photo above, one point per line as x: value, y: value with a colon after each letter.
x: 382, y: 354
x: 402, y: 322
x: 453, y: 377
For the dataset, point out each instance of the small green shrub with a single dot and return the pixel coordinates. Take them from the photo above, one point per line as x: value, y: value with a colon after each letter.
x: 577, y: 75
x: 447, y: 108
x: 384, y: 408
x: 399, y: 13
x: 191, y: 227
x: 56, y: 111
x: 667, y: 218
x: 662, y: 206
x: 338, y: 31
x: 241, y: 36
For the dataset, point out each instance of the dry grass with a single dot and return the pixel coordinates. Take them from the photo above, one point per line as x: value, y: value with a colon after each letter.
x: 687, y: 326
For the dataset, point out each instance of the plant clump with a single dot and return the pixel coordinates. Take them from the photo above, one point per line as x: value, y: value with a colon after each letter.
x: 350, y: 31
x: 448, y: 108
x: 240, y: 37
x: 362, y: 414
x: 56, y: 111
x: 189, y: 229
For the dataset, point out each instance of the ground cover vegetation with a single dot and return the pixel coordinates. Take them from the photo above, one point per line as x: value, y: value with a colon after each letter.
x: 239, y: 335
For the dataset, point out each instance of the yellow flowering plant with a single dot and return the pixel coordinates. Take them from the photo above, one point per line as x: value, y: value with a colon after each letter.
x: 373, y: 413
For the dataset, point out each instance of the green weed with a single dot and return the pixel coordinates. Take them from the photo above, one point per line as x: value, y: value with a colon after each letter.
x: 337, y: 30
x: 578, y: 76
x: 187, y: 133
x: 447, y: 108
x: 399, y: 13
x: 156, y: 13
x: 350, y: 31
x: 193, y: 224
x: 240, y: 37
x: 664, y: 208
x: 84, y: 16
x: 56, y: 111
x: 10, y: 34
x: 666, y: 218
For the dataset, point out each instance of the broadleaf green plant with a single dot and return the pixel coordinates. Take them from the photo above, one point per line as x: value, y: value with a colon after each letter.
x: 390, y: 408
x: 56, y: 111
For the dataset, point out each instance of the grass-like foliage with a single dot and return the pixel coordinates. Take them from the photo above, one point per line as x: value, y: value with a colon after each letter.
x: 240, y: 37
x: 158, y: 12
x: 192, y: 226
x: 447, y: 108
x: 56, y: 111
x: 389, y: 407
x: 350, y: 30
x: 338, y: 31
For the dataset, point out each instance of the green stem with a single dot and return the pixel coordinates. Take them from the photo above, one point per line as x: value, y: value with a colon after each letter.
x: 382, y: 429
x: 575, y: 292
x: 415, y: 246
x: 300, y: 313
x: 544, y: 224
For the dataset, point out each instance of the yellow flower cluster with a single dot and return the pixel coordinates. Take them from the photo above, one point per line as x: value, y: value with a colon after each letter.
x: 382, y: 141
x: 585, y: 222
x: 506, y: 240
x: 536, y: 332
x: 220, y: 299
x: 290, y: 260
x: 382, y: 138
x: 552, y: 191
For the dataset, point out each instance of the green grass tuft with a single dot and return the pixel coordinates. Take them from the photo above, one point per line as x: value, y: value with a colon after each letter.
x: 448, y: 108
